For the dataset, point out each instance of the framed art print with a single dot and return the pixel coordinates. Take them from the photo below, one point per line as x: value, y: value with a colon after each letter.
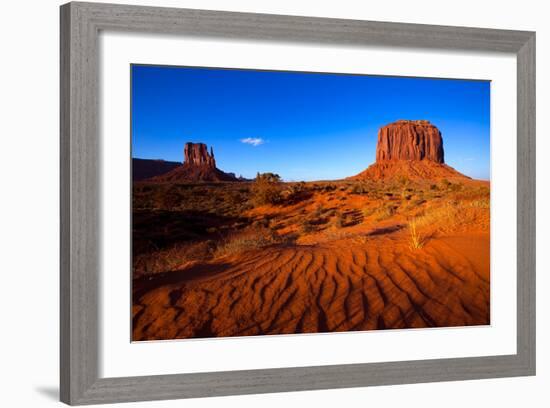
x: 260, y: 203
x: 304, y: 234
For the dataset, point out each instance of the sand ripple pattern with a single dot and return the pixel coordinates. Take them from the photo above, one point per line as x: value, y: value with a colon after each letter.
x: 310, y: 289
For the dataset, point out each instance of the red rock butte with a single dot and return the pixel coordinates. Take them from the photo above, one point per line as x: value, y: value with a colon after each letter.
x: 198, y: 165
x: 412, y: 149
x: 196, y: 154
x: 410, y: 140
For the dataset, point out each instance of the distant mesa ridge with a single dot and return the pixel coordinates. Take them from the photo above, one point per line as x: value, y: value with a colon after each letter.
x: 198, y: 165
x: 412, y: 149
x: 143, y: 169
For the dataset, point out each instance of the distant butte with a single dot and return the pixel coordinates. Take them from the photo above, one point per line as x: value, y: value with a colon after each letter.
x: 410, y: 140
x: 196, y: 154
x: 412, y: 149
x: 198, y: 165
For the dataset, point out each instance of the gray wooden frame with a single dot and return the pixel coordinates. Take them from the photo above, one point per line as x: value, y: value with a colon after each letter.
x: 80, y: 234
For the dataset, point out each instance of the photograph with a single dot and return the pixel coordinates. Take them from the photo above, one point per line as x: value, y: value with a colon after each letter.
x: 281, y: 202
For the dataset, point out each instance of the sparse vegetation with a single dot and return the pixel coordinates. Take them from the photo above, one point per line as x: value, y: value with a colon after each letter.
x: 172, y: 258
x: 203, y: 221
x: 368, y: 211
x: 295, y: 192
x: 246, y: 240
x: 387, y: 211
x: 445, y: 184
x: 307, y: 226
x: 359, y: 188
x: 416, y: 239
x: 339, y: 220
x: 266, y: 189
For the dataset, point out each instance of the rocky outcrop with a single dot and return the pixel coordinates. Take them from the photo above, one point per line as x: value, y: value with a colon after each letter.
x: 410, y: 140
x: 196, y: 154
x: 198, y: 165
x: 411, y: 149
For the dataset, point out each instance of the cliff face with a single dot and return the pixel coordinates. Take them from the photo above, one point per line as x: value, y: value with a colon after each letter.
x: 410, y: 140
x: 196, y: 154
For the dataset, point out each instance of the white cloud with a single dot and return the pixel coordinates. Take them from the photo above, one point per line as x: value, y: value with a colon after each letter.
x: 254, y: 141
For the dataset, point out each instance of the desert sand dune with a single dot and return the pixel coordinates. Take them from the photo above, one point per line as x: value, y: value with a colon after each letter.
x: 343, y: 285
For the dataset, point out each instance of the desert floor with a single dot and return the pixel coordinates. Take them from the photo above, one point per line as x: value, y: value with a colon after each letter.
x: 208, y: 261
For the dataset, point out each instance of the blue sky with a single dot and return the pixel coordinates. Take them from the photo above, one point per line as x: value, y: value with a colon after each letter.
x: 303, y: 126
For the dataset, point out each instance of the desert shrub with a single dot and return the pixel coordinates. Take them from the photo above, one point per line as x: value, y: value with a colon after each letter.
x: 387, y: 211
x: 368, y: 211
x: 329, y: 187
x: 246, y: 240
x: 456, y: 186
x: 339, y: 219
x: 307, y: 226
x: 262, y: 222
x: 266, y: 189
x: 295, y: 192
x: 319, y: 210
x: 445, y: 184
x: 170, y: 199
x: 317, y: 217
x: 403, y: 180
x: 481, y: 203
x: 417, y: 202
x: 359, y: 188
x: 375, y: 194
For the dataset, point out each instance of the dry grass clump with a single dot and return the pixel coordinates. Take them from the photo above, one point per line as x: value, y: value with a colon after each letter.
x: 314, y: 220
x: 468, y: 209
x: 386, y: 212
x: 248, y: 239
x: 481, y: 203
x: 340, y: 220
x: 417, y: 240
x: 359, y: 188
x: 307, y: 226
x: 368, y: 211
x: 455, y: 216
x: 173, y: 258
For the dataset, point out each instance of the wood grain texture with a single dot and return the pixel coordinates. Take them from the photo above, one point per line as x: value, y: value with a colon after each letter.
x: 80, y: 233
